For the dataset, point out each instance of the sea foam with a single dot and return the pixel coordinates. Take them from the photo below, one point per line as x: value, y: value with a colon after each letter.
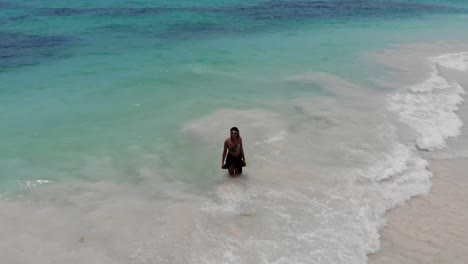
x: 429, y: 107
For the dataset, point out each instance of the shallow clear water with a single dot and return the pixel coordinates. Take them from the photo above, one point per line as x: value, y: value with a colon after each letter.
x: 112, y: 111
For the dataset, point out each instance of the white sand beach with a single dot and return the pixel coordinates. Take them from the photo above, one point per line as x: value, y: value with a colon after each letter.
x: 430, y: 228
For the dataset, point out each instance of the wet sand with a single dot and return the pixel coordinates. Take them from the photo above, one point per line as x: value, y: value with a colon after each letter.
x: 430, y: 228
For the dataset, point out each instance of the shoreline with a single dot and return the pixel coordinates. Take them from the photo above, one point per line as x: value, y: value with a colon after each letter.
x: 433, y: 227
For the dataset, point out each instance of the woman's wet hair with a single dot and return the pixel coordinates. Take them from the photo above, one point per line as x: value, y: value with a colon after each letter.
x: 235, y: 129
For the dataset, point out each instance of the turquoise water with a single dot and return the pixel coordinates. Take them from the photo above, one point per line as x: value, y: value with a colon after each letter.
x: 95, y: 91
x: 90, y: 79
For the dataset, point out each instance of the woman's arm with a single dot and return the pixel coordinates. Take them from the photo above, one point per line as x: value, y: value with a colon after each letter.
x: 224, y: 153
x: 242, y: 154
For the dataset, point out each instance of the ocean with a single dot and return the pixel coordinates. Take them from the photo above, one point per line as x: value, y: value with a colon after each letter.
x: 113, y: 116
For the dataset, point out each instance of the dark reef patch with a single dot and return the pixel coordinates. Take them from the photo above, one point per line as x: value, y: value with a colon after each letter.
x: 19, y: 49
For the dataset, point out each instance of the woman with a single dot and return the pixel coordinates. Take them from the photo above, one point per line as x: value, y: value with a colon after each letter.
x: 235, y: 159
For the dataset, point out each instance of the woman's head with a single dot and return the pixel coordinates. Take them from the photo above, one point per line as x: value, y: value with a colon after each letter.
x: 234, y: 132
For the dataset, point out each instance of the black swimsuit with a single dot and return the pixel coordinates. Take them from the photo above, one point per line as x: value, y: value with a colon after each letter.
x: 233, y: 160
